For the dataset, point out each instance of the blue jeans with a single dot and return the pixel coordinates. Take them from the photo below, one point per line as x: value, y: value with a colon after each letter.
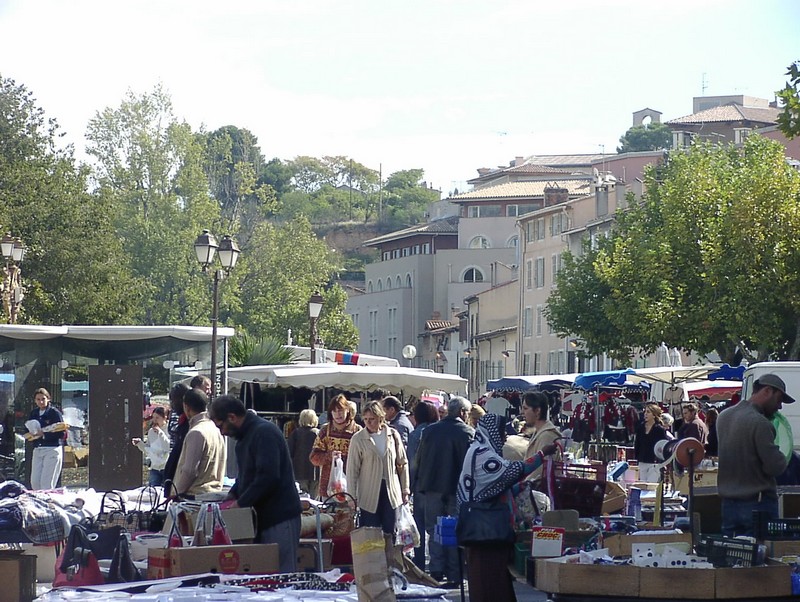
x: 737, y: 515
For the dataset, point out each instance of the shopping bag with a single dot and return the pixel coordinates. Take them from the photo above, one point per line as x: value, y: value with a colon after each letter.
x: 219, y: 532
x: 199, y: 538
x: 406, y: 533
x: 122, y: 569
x: 77, y: 565
x: 484, y: 522
x: 174, y: 538
x: 338, y: 481
x: 102, y: 541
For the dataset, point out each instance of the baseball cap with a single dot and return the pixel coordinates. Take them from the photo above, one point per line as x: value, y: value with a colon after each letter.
x: 776, y: 382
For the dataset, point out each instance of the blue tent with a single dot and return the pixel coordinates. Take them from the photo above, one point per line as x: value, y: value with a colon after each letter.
x: 608, y: 378
x: 727, y: 372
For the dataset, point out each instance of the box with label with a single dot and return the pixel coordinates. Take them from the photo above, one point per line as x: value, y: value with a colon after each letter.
x: 619, y: 544
x: 235, y: 559
x: 564, y: 576
x: 18, y: 576
x: 308, y: 558
x: 547, y: 542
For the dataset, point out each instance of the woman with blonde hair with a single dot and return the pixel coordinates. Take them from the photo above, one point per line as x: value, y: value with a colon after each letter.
x: 648, y: 434
x: 475, y: 413
x: 301, y: 442
x: 333, y: 439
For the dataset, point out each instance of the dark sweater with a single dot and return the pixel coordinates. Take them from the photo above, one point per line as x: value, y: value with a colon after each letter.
x: 644, y: 448
x: 265, y: 479
x: 48, y: 417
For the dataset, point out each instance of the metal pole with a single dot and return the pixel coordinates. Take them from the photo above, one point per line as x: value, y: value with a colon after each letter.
x: 313, y: 333
x: 214, y: 320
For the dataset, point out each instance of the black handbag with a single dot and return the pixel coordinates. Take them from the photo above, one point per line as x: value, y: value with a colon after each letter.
x: 487, y: 522
x: 102, y: 542
x: 122, y: 569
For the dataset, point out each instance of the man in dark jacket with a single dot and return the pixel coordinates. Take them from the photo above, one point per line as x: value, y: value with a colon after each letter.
x: 265, y: 480
x: 437, y: 467
x: 397, y: 418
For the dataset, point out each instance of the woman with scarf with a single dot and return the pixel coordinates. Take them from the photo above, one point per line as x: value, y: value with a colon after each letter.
x: 485, y: 475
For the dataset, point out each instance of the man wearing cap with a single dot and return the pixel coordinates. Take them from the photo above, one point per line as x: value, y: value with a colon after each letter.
x: 749, y: 459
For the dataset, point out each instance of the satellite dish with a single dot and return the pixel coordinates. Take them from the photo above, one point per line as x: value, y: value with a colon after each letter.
x: 409, y: 352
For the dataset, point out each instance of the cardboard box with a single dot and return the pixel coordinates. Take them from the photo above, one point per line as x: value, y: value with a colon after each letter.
x: 677, y: 584
x: 777, y: 548
x: 308, y: 559
x: 370, y: 566
x: 620, y: 545
x: 771, y: 581
x: 560, y: 576
x: 547, y: 542
x: 240, y: 522
x: 615, y: 498
x: 18, y: 576
x: 702, y: 478
x: 235, y: 559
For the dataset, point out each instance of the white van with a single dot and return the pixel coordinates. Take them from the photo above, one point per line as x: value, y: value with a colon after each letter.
x: 790, y: 373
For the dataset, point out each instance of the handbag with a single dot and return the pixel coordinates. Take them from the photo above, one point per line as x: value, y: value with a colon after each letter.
x: 145, y: 520
x: 77, y: 565
x: 484, y: 522
x: 122, y: 569
x: 102, y: 541
x: 112, y: 511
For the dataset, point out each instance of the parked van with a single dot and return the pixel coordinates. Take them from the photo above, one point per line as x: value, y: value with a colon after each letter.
x: 790, y: 373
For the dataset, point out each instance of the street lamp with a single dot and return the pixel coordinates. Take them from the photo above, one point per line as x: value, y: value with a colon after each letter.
x: 13, y: 251
x: 315, y: 304
x: 205, y: 247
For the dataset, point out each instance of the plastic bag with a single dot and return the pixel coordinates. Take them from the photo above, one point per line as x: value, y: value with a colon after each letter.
x: 338, y: 482
x: 406, y: 533
x: 219, y: 532
x: 784, y: 438
x: 175, y: 540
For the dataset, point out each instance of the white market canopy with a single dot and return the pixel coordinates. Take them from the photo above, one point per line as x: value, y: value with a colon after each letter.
x: 351, y: 378
x: 112, y: 333
x: 331, y: 356
x: 672, y: 374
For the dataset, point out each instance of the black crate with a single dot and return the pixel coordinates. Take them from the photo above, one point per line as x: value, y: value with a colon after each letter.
x: 776, y: 528
x: 730, y: 552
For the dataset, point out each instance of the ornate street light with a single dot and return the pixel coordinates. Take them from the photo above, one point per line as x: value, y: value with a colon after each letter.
x: 13, y: 250
x: 205, y: 247
x: 315, y: 304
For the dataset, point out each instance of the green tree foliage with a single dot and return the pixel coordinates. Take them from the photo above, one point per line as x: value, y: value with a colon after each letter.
x: 649, y: 137
x: 406, y: 199
x: 709, y: 260
x: 149, y: 167
x: 285, y: 265
x: 789, y: 117
x: 75, y: 271
x: 246, y: 350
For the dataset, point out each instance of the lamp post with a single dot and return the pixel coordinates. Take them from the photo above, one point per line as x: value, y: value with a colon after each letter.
x: 315, y: 304
x: 205, y: 247
x: 13, y: 251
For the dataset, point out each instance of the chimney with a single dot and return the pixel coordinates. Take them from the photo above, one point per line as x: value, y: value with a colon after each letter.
x: 519, y: 161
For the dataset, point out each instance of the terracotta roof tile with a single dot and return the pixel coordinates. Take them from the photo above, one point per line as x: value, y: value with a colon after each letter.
x: 447, y: 225
x: 727, y: 113
x: 512, y: 190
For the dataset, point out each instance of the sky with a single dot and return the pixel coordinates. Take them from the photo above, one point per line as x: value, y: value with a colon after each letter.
x: 443, y: 85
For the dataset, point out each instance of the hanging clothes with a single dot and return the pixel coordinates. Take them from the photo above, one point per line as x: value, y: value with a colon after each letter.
x: 583, y: 422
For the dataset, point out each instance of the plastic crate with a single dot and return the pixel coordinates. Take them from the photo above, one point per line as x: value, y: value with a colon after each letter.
x: 775, y: 528
x: 595, y: 471
x: 725, y: 552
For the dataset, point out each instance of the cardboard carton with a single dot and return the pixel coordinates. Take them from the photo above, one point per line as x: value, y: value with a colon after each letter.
x: 771, y: 581
x: 370, y: 566
x: 620, y: 545
x: 560, y: 576
x: 235, y: 559
x: 615, y: 498
x: 18, y: 576
x: 308, y: 559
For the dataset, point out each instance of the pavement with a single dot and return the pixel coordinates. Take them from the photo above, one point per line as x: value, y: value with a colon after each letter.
x: 524, y: 592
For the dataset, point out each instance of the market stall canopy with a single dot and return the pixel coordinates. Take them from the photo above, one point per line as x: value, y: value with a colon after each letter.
x: 351, y: 378
x: 715, y: 389
x: 526, y: 383
x: 673, y: 375
x: 608, y: 378
x: 331, y: 356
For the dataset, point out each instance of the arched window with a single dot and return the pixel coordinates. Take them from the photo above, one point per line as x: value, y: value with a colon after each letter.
x: 473, y: 275
x: 388, y: 284
x: 513, y: 242
x: 369, y: 286
x: 380, y: 285
x: 479, y: 242
x: 398, y: 283
x: 408, y: 280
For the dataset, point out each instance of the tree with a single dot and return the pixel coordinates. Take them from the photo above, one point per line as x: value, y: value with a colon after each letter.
x: 789, y: 117
x: 285, y: 265
x: 246, y: 350
x: 649, y: 137
x: 75, y: 271
x: 406, y: 199
x: 149, y: 167
x: 707, y: 261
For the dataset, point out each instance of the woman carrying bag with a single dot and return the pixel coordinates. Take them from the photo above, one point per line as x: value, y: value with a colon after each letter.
x: 377, y: 471
x: 487, y: 477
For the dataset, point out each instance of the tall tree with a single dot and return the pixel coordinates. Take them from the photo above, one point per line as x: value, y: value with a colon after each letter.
x: 648, y: 137
x: 406, y: 198
x: 75, y: 271
x: 707, y: 261
x: 285, y: 265
x: 789, y: 117
x: 149, y: 165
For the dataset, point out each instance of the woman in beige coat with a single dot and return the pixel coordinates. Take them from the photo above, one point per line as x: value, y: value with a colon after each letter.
x: 377, y: 470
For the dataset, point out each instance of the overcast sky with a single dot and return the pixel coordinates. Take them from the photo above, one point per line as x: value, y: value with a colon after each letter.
x: 447, y: 86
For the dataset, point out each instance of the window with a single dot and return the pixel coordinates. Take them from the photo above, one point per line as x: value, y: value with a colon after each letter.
x: 556, y: 224
x: 537, y: 363
x: 387, y: 255
x: 540, y: 228
x: 552, y: 363
x: 473, y: 211
x: 380, y: 286
x: 511, y: 211
x: 388, y: 284
x: 426, y: 248
x: 491, y: 211
x: 473, y: 275
x: 526, y: 363
x: 398, y: 282
x: 740, y: 134
x: 529, y: 274
x: 527, y: 322
x: 416, y: 249
x: 513, y: 243
x: 369, y: 286
x: 408, y: 280
x: 556, y: 268
x: 406, y: 251
x: 539, y: 273
x: 479, y: 242
x: 373, y: 331
x: 523, y: 209
x: 539, y: 320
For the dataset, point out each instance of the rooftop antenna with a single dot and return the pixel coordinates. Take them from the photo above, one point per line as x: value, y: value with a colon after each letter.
x: 704, y: 84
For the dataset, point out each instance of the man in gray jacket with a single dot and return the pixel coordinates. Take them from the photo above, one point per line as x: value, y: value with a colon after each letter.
x: 437, y: 468
x: 749, y: 459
